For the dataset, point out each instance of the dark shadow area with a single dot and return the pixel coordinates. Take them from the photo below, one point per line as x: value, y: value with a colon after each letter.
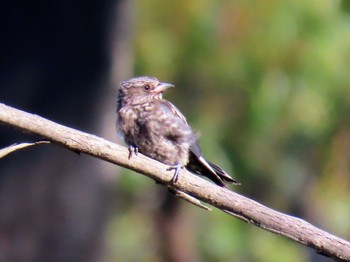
x: 54, y: 63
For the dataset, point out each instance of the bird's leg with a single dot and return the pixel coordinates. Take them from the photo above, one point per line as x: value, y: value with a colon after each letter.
x: 177, y: 168
x: 133, y: 150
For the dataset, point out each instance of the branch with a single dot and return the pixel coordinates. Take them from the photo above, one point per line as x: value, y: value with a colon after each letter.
x: 224, y: 199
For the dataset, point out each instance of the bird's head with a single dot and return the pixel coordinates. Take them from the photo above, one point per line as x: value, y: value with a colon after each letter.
x: 141, y: 89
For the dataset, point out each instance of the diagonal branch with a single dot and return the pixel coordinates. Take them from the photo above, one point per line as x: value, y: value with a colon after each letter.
x: 224, y: 199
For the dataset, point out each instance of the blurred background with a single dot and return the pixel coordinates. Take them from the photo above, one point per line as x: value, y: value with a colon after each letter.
x: 266, y: 83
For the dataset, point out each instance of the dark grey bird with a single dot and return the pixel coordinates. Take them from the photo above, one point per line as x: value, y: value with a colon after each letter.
x: 156, y: 128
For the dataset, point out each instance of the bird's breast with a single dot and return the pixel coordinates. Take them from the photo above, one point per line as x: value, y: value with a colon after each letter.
x: 126, y: 119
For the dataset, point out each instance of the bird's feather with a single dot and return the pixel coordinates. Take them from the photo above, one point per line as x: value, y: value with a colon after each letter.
x: 199, y: 165
x: 159, y: 130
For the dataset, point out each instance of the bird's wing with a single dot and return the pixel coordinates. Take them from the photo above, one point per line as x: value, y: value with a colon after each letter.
x: 197, y: 163
x: 172, y: 110
x: 177, y: 127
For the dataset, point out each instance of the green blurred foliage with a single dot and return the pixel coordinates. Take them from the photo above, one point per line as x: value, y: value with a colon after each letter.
x: 267, y: 85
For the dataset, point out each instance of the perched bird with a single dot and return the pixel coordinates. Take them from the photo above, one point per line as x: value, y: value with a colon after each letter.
x: 156, y: 128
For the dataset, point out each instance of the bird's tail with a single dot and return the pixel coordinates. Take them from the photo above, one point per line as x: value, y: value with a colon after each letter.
x: 223, y: 175
x: 201, y: 166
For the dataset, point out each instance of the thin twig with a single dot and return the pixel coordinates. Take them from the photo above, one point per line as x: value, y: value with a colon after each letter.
x: 15, y: 147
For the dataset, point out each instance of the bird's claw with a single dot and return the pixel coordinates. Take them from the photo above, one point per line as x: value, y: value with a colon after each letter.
x: 177, y: 169
x: 133, y: 150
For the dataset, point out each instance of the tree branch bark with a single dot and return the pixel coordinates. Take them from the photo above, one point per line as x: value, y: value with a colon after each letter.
x: 224, y: 199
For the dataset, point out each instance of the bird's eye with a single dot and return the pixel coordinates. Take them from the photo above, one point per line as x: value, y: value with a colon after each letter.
x: 147, y: 87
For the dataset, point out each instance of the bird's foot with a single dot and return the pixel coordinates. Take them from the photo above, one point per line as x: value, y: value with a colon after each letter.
x: 177, y: 168
x: 133, y: 150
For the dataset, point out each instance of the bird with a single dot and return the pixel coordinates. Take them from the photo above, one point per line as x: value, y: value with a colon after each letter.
x: 156, y: 128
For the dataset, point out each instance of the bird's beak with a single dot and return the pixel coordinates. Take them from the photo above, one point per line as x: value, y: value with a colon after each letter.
x: 161, y: 87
